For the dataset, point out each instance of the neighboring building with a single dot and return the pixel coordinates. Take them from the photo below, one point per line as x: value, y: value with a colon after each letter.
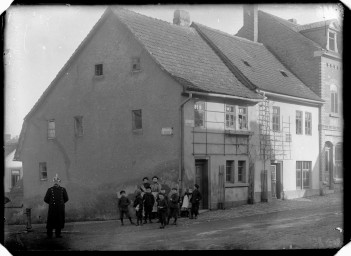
x: 13, y: 172
x: 313, y: 53
x: 142, y: 97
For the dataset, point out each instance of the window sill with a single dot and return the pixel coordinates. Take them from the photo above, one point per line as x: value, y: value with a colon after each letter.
x: 138, y: 131
x: 234, y: 185
x: 334, y: 115
x: 99, y: 77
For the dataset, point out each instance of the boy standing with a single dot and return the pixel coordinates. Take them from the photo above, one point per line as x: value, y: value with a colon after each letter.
x: 123, y: 204
x: 162, y: 209
x: 195, y: 201
x: 138, y: 205
x: 174, y: 206
x: 149, y: 201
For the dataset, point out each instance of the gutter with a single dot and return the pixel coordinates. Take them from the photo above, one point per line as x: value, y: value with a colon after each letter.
x: 223, y: 96
x: 181, y: 165
x: 291, y: 97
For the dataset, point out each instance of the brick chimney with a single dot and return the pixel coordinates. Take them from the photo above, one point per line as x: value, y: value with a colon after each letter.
x: 250, y: 21
x: 293, y: 21
x: 181, y: 18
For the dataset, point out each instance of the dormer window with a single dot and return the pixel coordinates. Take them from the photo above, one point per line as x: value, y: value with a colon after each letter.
x: 332, y: 41
x: 283, y: 73
x: 98, y: 70
x: 136, y: 64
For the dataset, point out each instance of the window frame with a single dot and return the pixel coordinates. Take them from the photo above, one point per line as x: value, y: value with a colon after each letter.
x: 230, y: 164
x: 300, y: 120
x: 333, y: 40
x: 201, y: 113
x: 308, y: 123
x: 230, y: 114
x: 13, y: 174
x: 241, y: 168
x: 136, y: 63
x: 305, y: 174
x: 243, y: 116
x: 334, y: 100
x: 78, y: 126
x: 41, y: 171
x: 276, y: 119
x: 51, y: 131
x: 134, y: 121
x: 99, y: 70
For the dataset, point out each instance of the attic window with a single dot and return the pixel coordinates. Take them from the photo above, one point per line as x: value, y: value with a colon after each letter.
x: 98, y: 70
x: 283, y: 73
x: 246, y: 63
x: 332, y: 41
x: 136, y: 64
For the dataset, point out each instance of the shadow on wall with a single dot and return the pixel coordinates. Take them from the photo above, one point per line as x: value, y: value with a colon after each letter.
x: 88, y: 203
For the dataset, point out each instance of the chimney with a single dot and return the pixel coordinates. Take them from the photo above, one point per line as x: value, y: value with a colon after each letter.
x: 293, y: 21
x: 250, y: 21
x: 181, y: 18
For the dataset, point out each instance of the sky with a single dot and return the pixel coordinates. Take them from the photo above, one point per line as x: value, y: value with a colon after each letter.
x: 39, y: 40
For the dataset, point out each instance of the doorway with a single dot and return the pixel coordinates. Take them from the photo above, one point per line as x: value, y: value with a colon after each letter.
x: 201, y: 178
x: 328, y: 165
x: 276, y: 180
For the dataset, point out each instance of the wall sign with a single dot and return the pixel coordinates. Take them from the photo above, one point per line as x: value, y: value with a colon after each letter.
x: 167, y: 131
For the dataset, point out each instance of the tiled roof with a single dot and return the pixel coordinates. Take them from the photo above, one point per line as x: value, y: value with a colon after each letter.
x: 182, y: 52
x: 258, y: 64
x: 317, y: 24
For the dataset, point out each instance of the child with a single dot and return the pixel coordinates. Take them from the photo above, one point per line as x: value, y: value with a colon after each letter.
x: 185, y: 205
x: 195, y: 201
x: 173, y: 206
x: 162, y: 209
x: 155, y: 189
x: 123, y: 204
x: 138, y: 204
x: 149, y: 201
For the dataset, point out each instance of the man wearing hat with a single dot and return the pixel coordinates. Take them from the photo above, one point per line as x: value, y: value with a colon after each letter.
x: 195, y: 201
x: 56, y: 197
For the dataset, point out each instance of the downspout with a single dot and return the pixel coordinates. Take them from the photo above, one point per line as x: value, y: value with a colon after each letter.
x: 181, y: 159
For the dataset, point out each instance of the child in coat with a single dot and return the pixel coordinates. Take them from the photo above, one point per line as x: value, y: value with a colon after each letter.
x: 123, y: 204
x: 162, y: 209
x: 149, y: 201
x: 173, y: 206
x: 138, y: 205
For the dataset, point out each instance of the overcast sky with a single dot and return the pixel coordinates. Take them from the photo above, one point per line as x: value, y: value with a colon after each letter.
x: 39, y: 40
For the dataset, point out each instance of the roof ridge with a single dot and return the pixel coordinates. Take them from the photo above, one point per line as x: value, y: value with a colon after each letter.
x: 229, y: 35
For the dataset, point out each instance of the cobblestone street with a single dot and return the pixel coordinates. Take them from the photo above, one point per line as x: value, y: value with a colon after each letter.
x: 281, y: 224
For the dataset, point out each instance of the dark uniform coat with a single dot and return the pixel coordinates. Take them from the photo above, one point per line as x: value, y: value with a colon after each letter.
x: 56, y: 197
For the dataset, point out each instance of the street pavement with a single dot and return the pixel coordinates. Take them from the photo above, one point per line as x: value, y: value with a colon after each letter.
x: 280, y: 224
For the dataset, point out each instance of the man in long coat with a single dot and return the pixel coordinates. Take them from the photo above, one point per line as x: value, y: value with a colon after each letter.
x: 56, y: 197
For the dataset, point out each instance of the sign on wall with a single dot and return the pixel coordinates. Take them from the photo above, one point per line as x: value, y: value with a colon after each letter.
x: 167, y: 131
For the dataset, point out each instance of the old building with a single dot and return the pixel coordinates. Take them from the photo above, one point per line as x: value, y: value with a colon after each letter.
x: 143, y: 97
x: 313, y: 53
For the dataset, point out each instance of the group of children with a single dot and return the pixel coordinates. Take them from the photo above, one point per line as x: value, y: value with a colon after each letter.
x: 151, y: 201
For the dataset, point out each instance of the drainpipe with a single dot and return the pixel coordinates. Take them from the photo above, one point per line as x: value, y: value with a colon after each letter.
x: 181, y: 114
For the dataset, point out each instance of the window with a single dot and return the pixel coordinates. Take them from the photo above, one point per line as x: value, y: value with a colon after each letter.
x: 303, y: 172
x: 241, y: 171
x: 332, y: 41
x: 51, y: 129
x: 99, y: 70
x: 242, y: 118
x: 78, y: 126
x: 43, y: 171
x: 338, y: 161
x: 298, y: 122
x: 229, y: 173
x: 15, y: 176
x: 137, y: 119
x: 136, y: 64
x: 199, y: 113
x: 230, y: 116
x: 308, y: 123
x: 334, y: 99
x: 276, y: 119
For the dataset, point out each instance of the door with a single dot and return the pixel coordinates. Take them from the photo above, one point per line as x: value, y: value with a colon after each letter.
x: 201, y: 178
x: 273, y: 180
